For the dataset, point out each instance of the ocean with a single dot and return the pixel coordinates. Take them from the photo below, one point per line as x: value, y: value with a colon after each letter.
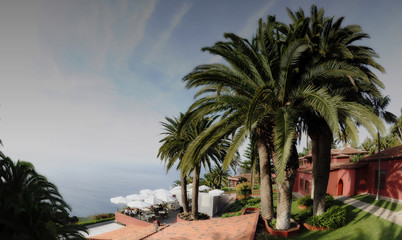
x: 88, y: 188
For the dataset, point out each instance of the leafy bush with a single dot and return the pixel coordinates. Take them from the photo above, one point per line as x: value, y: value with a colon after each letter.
x: 303, y: 215
x: 236, y: 206
x: 257, y: 187
x: 188, y: 217
x: 334, y: 217
x: 243, y: 188
x: 242, y: 180
x: 305, y: 201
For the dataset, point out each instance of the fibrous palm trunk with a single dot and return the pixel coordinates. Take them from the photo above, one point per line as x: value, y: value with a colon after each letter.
x: 196, y: 183
x: 267, y: 208
x: 321, y: 140
x: 184, y: 191
x: 285, y: 189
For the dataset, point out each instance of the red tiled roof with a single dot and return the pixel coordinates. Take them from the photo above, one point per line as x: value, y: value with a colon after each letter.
x: 341, y: 156
x: 335, y: 166
x: 349, y: 150
x: 387, y: 154
x: 240, y: 227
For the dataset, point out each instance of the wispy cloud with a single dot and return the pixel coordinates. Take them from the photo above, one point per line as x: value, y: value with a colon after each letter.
x: 250, y: 28
x: 185, y: 7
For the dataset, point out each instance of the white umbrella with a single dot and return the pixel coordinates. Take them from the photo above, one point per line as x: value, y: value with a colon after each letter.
x: 147, y: 192
x: 204, y: 188
x: 166, y: 199
x: 153, y: 200
x: 120, y: 200
x: 175, y: 189
x: 136, y: 197
x: 139, y: 204
x: 162, y: 191
x: 216, y: 192
x: 164, y: 194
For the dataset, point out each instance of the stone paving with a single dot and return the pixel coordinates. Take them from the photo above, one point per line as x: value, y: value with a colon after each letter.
x: 386, y: 214
x: 240, y: 227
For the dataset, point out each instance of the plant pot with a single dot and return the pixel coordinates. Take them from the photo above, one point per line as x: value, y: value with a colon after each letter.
x: 314, y: 228
x: 302, y: 207
x: 282, y: 233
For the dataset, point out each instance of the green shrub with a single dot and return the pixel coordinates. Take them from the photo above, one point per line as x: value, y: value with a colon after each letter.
x: 257, y: 187
x: 305, y: 201
x: 303, y: 215
x: 334, y: 217
x: 236, y: 206
x: 329, y: 197
x: 232, y: 214
x: 243, y: 190
x: 242, y: 180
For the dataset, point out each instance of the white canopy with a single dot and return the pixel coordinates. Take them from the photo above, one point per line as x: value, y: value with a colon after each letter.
x: 166, y: 199
x: 153, y: 200
x: 162, y: 192
x: 136, y: 197
x: 216, y: 192
x: 147, y: 192
x: 120, y: 200
x: 139, y: 204
x: 204, y: 188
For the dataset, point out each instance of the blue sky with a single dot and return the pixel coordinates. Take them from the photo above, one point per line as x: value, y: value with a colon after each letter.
x: 89, y: 81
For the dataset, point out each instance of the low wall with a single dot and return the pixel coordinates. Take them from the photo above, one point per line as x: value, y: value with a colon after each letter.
x: 127, y: 220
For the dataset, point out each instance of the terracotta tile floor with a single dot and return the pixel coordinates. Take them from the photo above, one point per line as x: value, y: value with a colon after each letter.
x: 240, y: 227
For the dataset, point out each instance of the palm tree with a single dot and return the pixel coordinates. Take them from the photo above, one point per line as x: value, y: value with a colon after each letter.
x: 212, y: 153
x: 219, y: 176
x: 379, y: 105
x: 32, y: 207
x: 396, y: 129
x: 259, y: 93
x: 331, y: 43
x: 174, y: 145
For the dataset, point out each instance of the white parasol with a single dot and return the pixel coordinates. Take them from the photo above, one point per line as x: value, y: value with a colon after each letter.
x: 139, y: 204
x: 153, y: 200
x: 166, y: 199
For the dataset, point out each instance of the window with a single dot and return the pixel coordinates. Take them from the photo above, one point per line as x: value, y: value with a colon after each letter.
x: 306, y: 186
x: 301, y: 184
x: 382, y: 179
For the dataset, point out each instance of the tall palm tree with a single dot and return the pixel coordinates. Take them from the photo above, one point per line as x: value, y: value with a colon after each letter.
x: 212, y: 153
x: 260, y: 92
x: 31, y: 207
x: 173, y: 147
x: 332, y: 43
x: 379, y: 106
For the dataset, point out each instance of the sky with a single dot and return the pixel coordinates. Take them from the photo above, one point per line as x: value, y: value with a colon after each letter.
x: 88, y: 82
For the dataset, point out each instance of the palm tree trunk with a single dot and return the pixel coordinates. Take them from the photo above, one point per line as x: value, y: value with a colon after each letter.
x: 267, y: 208
x: 196, y: 183
x: 184, y: 191
x: 285, y: 189
x: 321, y: 165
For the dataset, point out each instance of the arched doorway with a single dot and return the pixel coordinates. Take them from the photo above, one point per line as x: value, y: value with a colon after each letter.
x: 340, y: 187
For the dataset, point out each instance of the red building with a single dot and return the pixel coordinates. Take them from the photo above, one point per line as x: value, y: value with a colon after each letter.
x: 351, y: 178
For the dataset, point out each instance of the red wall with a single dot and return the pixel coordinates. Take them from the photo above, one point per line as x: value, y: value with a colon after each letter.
x: 348, y: 179
x: 393, y: 178
x: 302, y: 177
x: 127, y: 220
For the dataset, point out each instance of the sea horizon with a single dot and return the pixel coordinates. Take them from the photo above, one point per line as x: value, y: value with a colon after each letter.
x: 88, y: 188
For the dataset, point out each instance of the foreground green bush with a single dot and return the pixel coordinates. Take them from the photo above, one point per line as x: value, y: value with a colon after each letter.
x: 305, y: 201
x: 334, y: 217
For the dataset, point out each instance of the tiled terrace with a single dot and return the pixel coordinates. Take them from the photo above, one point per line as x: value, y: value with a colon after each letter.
x: 127, y: 233
x: 240, y: 227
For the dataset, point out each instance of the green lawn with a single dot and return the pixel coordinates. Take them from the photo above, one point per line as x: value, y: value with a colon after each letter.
x: 360, y: 225
x: 379, y: 203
